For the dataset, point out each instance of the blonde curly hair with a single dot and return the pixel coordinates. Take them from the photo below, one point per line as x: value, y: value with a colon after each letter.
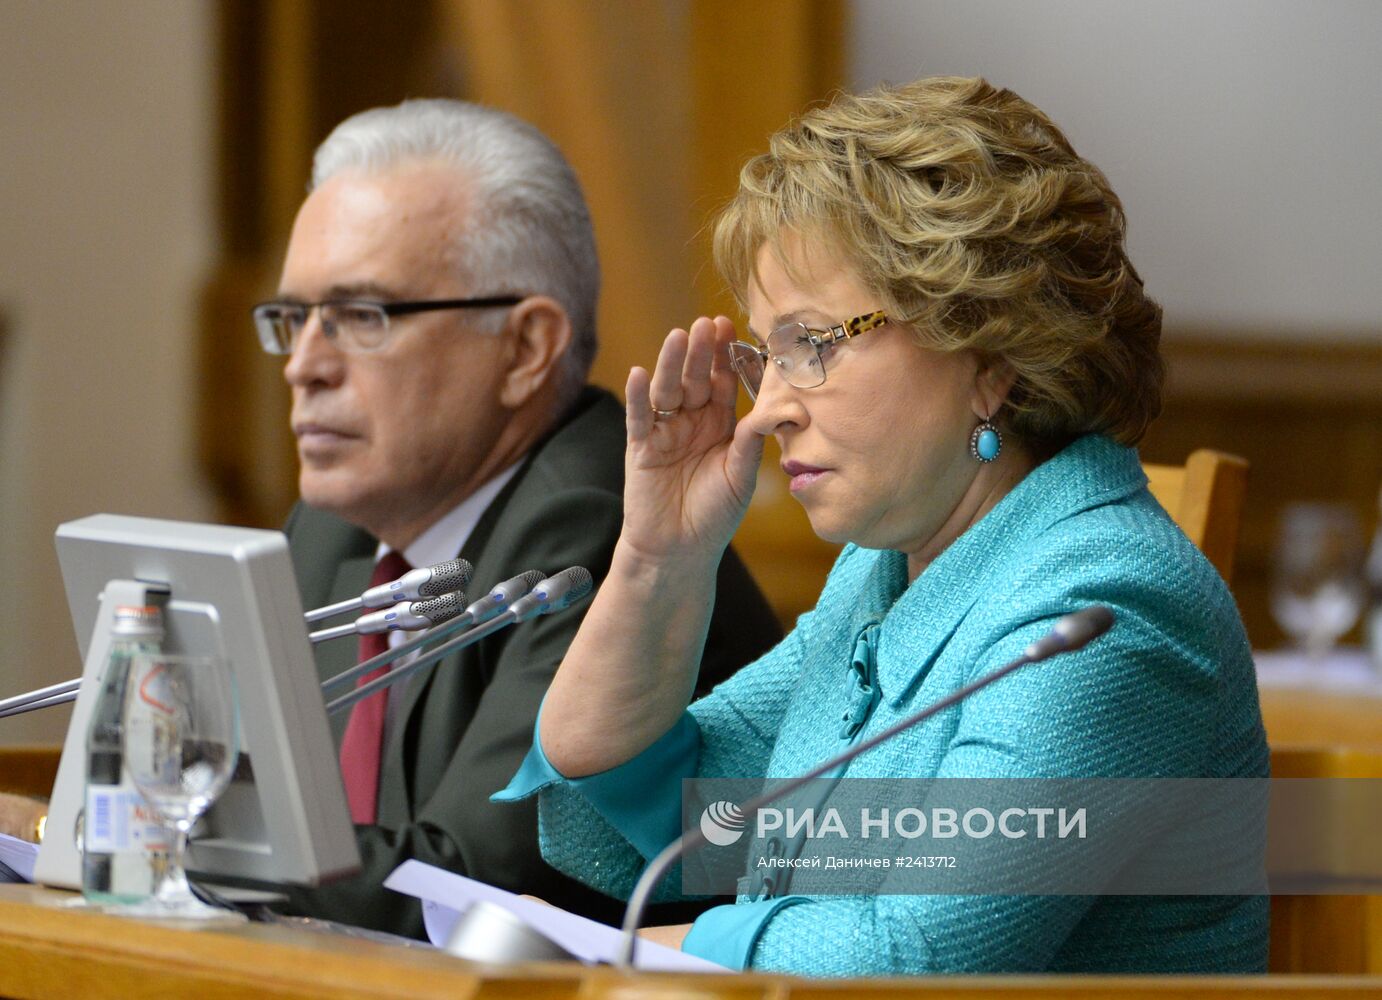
x: 978, y: 226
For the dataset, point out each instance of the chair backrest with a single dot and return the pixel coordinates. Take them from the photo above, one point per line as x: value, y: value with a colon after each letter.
x: 1205, y: 497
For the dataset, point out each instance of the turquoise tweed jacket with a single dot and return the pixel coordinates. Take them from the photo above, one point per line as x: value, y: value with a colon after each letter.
x: 1169, y: 691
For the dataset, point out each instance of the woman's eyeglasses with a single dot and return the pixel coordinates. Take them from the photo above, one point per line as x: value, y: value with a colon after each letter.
x: 797, y: 350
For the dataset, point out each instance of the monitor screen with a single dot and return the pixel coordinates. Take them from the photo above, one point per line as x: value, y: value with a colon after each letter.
x: 229, y: 592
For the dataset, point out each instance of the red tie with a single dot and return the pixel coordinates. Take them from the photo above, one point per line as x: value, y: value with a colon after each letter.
x: 362, y: 748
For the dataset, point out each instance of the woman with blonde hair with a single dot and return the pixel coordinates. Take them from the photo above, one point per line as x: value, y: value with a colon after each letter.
x: 951, y: 346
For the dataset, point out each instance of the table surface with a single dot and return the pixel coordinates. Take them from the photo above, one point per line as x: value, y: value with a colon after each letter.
x: 47, y: 950
x: 1347, y: 669
x: 1336, y: 702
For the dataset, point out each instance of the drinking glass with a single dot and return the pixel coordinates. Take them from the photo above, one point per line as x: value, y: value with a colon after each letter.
x: 181, y: 744
x: 1317, y: 578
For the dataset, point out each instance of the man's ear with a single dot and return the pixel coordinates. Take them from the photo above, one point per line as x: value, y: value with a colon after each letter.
x: 993, y: 381
x: 540, y: 332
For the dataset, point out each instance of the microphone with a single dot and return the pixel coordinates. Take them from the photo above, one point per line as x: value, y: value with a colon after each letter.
x: 556, y: 593
x: 502, y: 595
x: 1072, y: 632
x: 54, y: 694
x: 487, y: 607
x: 399, y: 618
x: 495, y: 602
x: 427, y: 581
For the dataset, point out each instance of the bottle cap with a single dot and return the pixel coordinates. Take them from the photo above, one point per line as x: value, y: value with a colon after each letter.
x: 137, y: 620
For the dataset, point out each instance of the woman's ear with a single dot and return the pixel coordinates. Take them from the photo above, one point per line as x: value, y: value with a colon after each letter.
x: 541, y: 335
x: 993, y: 381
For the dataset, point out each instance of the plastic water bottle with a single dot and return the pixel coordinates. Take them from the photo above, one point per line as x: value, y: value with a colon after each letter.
x: 1373, y: 626
x: 119, y: 833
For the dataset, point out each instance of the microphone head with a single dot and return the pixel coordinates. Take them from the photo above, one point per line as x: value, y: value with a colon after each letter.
x: 1071, y: 632
x: 556, y: 593
x: 411, y: 617
x: 532, y: 577
x: 440, y: 609
x: 423, y: 582
x: 566, y: 588
x: 447, y: 577
x: 511, y: 590
x: 502, y: 595
x: 1084, y: 626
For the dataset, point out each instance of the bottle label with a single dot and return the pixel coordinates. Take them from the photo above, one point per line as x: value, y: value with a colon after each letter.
x: 107, y: 825
x: 147, y: 832
x: 122, y: 821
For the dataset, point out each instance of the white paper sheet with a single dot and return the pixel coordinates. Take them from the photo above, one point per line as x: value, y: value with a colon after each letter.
x: 445, y: 895
x: 19, y: 856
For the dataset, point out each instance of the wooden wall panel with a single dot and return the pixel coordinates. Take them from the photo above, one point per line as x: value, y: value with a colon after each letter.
x: 782, y: 57
x: 29, y: 770
x: 608, y: 84
x: 1306, y: 414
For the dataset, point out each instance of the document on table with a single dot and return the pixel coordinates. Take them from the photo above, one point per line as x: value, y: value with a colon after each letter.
x: 445, y: 895
x: 17, y: 859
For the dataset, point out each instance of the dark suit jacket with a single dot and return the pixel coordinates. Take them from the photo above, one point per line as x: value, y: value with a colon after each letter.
x: 468, y: 721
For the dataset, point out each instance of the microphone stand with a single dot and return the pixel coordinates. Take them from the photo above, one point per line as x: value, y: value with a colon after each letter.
x: 394, y: 676
x: 66, y: 691
x: 54, y: 694
x: 568, y: 587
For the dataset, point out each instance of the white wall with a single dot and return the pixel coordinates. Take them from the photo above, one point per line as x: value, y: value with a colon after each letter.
x: 1244, y: 136
x: 105, y: 236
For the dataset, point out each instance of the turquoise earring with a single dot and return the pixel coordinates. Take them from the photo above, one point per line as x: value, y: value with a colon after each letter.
x: 985, y: 443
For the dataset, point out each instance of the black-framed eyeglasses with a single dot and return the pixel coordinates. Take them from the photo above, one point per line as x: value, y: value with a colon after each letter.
x: 354, y: 324
x: 798, y: 351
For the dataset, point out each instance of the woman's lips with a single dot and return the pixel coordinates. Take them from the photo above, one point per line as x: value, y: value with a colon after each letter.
x: 802, y: 475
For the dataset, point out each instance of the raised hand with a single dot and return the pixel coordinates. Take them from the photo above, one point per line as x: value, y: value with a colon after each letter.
x: 689, y: 470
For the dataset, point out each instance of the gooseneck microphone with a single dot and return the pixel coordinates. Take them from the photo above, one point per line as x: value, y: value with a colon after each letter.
x: 493, y: 603
x: 1070, y: 633
x: 556, y: 593
x: 399, y: 618
x: 427, y: 581
x: 54, y: 694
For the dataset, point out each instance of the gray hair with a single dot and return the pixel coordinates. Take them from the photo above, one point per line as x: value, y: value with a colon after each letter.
x: 531, y: 232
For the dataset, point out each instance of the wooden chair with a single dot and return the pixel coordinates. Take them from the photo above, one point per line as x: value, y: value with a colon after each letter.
x: 1333, y: 934
x: 1205, y: 497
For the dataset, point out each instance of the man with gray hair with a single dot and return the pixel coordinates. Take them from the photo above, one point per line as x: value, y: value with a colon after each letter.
x: 437, y: 311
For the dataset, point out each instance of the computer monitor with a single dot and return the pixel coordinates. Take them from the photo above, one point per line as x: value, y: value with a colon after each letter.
x: 229, y: 592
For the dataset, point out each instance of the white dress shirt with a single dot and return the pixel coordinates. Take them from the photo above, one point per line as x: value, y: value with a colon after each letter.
x: 440, y: 542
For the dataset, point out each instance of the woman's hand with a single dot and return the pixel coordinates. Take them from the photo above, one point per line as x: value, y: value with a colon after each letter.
x: 689, y: 473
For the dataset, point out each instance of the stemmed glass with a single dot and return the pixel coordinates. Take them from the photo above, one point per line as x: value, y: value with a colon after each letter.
x: 1317, y: 578
x: 181, y: 744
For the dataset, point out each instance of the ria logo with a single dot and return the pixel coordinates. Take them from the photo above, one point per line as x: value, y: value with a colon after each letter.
x: 722, y: 823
